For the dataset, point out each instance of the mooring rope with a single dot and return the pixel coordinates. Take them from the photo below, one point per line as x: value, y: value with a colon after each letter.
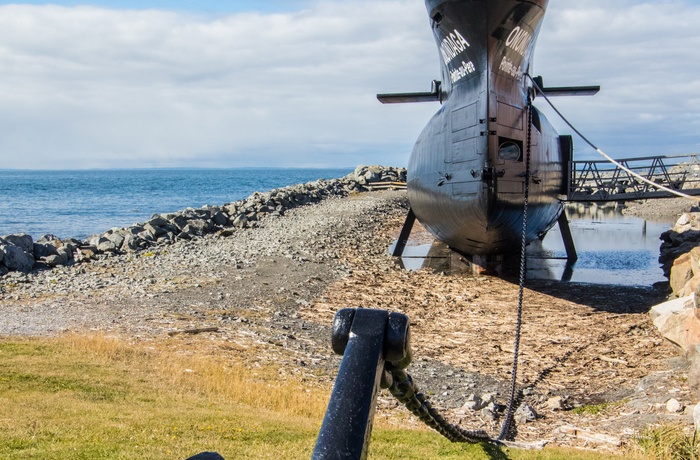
x: 605, y: 155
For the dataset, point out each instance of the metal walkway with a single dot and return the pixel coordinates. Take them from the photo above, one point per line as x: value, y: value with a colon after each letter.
x: 603, y: 181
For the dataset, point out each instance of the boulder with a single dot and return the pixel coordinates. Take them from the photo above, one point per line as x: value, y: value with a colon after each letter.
x: 154, y: 230
x: 695, y: 260
x: 54, y: 260
x: 130, y: 243
x: 677, y: 322
x: 681, y: 273
x: 240, y: 221
x: 48, y: 238
x: 17, y: 259
x: 158, y: 221
x: 42, y: 250
x: 87, y: 252
x: 65, y: 254
x: 179, y: 221
x: 116, y: 237
x: 220, y: 219
x: 197, y: 227
x: 106, y: 245
x: 21, y: 240
x: 692, y: 286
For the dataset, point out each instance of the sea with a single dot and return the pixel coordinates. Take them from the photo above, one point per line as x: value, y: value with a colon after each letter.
x: 81, y: 203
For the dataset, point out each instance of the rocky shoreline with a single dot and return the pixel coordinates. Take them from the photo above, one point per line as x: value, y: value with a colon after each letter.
x: 21, y: 253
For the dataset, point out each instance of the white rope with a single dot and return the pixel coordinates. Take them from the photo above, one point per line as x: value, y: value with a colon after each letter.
x: 604, y: 155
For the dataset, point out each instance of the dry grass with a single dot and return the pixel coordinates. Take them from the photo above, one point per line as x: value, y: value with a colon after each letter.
x: 95, y: 397
x: 210, y: 376
x: 671, y: 442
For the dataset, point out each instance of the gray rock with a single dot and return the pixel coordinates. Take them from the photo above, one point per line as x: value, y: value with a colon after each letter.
x: 145, y: 236
x: 555, y: 403
x: 106, y: 245
x: 179, y: 221
x: 197, y: 227
x: 116, y: 237
x: 42, y: 250
x: 696, y: 417
x: 2, y: 255
x: 220, y: 219
x: 489, y: 412
x: 473, y: 403
x: 21, y: 240
x: 674, y: 406
x: 54, y: 260
x: 240, y: 221
x: 17, y: 259
x: 158, y: 221
x: 130, y: 243
x: 153, y: 230
x: 87, y: 252
x: 525, y: 413
x: 48, y: 238
x: 65, y: 254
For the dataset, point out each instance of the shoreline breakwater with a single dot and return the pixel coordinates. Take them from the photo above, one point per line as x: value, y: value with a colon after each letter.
x: 20, y: 252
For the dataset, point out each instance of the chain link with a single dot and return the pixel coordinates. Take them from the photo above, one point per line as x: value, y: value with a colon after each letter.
x: 406, y: 391
x: 507, y: 430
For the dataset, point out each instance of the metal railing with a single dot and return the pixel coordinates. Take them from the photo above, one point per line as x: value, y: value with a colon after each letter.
x: 600, y: 180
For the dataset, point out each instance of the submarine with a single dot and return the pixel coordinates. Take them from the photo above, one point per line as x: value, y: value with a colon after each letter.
x: 468, y: 171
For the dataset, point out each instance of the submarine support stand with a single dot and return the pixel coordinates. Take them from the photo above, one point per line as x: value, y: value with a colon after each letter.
x: 567, y: 238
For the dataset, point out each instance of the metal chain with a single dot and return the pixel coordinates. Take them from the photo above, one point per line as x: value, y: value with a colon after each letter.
x: 406, y: 391
x: 512, y: 400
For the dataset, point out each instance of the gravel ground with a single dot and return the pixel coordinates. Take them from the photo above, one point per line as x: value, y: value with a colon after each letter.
x: 269, y: 295
x: 660, y: 209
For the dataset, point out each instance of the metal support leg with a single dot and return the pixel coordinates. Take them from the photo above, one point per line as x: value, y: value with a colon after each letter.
x: 568, y: 239
x: 405, y: 233
x: 366, y: 339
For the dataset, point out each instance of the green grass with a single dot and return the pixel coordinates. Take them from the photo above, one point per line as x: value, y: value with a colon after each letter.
x: 592, y: 409
x: 95, y: 398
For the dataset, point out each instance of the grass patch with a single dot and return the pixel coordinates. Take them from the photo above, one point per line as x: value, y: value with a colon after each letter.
x: 591, y: 409
x: 670, y: 442
x: 78, y: 397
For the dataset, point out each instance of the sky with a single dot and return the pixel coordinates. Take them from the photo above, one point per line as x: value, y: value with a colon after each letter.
x: 144, y: 84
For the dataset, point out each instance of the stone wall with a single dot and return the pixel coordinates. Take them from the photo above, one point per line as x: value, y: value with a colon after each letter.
x: 21, y: 253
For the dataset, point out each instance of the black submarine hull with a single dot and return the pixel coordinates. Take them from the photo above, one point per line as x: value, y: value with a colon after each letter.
x: 466, y: 174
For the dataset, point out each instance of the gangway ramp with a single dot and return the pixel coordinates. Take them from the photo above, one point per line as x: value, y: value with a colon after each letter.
x: 600, y: 180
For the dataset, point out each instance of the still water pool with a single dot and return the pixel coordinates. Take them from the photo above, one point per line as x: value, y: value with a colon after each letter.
x: 612, y: 249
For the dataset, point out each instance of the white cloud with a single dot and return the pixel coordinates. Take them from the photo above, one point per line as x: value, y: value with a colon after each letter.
x: 642, y: 53
x: 94, y: 87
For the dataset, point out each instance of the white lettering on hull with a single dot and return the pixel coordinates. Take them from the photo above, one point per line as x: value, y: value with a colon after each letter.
x: 452, y: 46
x: 462, y: 71
x: 518, y: 40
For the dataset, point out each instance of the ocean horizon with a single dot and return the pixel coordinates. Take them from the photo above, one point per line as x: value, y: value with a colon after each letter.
x: 78, y: 203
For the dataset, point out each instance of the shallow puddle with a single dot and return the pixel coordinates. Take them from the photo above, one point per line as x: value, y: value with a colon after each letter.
x: 612, y: 249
